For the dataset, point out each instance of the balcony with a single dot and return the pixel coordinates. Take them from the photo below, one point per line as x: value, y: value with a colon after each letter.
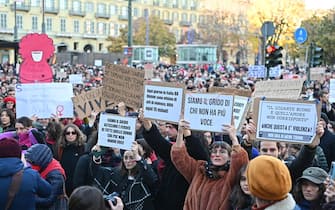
x: 168, y: 21
x: 20, y: 7
x: 77, y: 13
x: 174, y: 6
x: 104, y: 15
x: 185, y: 23
x: 123, y: 17
x: 202, y: 25
x: 155, y: 3
x: 51, y: 10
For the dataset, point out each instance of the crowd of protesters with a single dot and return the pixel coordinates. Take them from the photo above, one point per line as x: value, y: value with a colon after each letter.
x: 56, y: 163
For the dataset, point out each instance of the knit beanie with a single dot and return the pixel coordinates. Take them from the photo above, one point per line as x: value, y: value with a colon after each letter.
x: 268, y: 178
x: 9, y: 148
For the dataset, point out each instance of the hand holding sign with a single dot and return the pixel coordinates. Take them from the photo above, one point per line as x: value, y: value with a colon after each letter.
x: 134, y: 149
x: 184, y: 128
x: 319, y: 133
x: 145, y: 122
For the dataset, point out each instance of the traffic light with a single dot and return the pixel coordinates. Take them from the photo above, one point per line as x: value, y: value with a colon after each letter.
x: 273, y: 56
x: 317, y: 56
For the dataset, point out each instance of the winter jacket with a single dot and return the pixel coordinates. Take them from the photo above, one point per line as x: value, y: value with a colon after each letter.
x: 33, y: 136
x: 205, y: 193
x: 327, y: 143
x: 286, y: 204
x: 31, y: 185
x: 50, y: 169
x: 173, y: 186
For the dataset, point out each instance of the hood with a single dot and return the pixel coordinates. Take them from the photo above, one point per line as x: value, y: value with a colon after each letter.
x: 9, y: 166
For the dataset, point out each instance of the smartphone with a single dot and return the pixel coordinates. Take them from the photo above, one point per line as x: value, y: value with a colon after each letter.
x: 332, y: 170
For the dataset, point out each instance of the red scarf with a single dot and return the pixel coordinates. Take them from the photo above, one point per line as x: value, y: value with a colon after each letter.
x: 53, y: 165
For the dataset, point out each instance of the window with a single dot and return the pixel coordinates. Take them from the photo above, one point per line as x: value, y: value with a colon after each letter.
x: 75, y: 45
x: 76, y: 6
x: 63, y: 25
x: 89, y: 27
x: 19, y: 21
x: 49, y: 24
x: 184, y: 17
x: 136, y: 12
x: 113, y: 10
x: 3, y: 21
x: 34, y: 23
x: 76, y: 26
x: 50, y: 4
x: 35, y: 3
x: 89, y: 7
x: 63, y: 4
x: 102, y: 29
x: 124, y: 11
x: 175, y: 16
x: 166, y: 15
x: 102, y: 9
x: 100, y: 46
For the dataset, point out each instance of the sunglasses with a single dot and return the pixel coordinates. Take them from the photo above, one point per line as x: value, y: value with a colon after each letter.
x: 71, y: 132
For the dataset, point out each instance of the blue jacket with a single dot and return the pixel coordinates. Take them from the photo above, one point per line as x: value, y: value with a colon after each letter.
x: 32, y: 184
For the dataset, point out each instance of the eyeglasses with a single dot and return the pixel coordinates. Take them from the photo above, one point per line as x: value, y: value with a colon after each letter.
x: 71, y: 132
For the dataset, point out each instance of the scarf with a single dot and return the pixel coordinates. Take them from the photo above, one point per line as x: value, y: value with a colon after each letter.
x: 53, y: 165
x: 213, y: 172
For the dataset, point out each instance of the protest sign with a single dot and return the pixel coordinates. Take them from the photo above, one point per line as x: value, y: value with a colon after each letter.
x: 332, y: 91
x: 208, y: 112
x: 149, y: 70
x: 61, y: 75
x: 275, y: 71
x: 123, y: 84
x: 288, y: 89
x: 241, y: 102
x: 317, y: 73
x: 257, y: 71
x: 44, y: 99
x: 163, y: 101
x: 286, y: 120
x: 88, y: 101
x: 76, y: 78
x: 116, y: 131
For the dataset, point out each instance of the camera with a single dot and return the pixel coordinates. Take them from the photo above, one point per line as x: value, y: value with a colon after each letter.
x: 111, y: 197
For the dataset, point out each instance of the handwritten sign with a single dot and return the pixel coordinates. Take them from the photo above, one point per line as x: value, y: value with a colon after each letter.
x: 289, y: 89
x: 123, y: 84
x: 208, y: 112
x: 76, y: 78
x: 88, y: 101
x: 318, y: 73
x: 240, y: 109
x: 162, y: 102
x: 116, y: 131
x: 257, y: 71
x: 275, y: 71
x: 332, y: 91
x: 44, y: 99
x: 286, y: 120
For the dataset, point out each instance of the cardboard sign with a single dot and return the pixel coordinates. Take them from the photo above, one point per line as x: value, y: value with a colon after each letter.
x: 44, y: 99
x: 86, y: 102
x: 163, y: 101
x: 208, y: 112
x: 289, y: 121
x: 242, y: 103
x: 257, y: 71
x: 332, y: 91
x: 116, y: 131
x: 288, y: 89
x: 123, y: 84
x: 76, y: 78
x: 318, y: 73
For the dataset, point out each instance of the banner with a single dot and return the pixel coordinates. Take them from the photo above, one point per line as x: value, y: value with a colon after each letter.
x: 44, y: 99
x: 116, y: 131
x: 163, y: 101
x: 123, y: 84
x: 88, y: 101
x: 76, y: 78
x: 208, y: 112
x: 257, y: 71
x: 289, y: 121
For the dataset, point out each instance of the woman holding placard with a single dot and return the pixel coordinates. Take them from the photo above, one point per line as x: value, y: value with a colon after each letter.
x: 211, y: 181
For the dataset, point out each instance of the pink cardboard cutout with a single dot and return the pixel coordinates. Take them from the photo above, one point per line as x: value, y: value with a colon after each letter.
x: 35, y: 50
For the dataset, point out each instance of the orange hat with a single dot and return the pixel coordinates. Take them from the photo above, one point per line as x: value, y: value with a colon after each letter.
x: 9, y: 99
x: 268, y: 178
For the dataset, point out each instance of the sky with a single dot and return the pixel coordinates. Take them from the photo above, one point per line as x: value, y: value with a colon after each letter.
x: 320, y: 4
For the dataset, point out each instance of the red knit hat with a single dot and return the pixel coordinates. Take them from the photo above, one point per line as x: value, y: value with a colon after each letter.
x: 9, y: 99
x: 9, y: 148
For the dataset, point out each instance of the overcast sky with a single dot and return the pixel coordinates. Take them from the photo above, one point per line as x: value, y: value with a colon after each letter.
x: 320, y: 4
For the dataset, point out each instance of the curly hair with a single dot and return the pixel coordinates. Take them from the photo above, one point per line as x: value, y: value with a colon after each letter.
x: 80, y: 140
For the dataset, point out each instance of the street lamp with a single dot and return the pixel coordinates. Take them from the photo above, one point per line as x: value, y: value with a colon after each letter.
x: 130, y: 30
x: 15, y: 26
x: 43, y: 23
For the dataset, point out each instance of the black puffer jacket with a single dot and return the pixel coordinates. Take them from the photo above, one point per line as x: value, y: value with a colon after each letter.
x: 41, y: 155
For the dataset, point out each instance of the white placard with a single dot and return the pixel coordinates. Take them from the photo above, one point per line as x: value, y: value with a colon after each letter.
x: 239, y: 109
x: 208, y: 112
x: 76, y: 78
x: 287, y: 121
x: 162, y: 103
x: 332, y: 91
x: 257, y: 71
x: 116, y: 131
x: 98, y: 62
x: 44, y: 99
x: 275, y: 71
